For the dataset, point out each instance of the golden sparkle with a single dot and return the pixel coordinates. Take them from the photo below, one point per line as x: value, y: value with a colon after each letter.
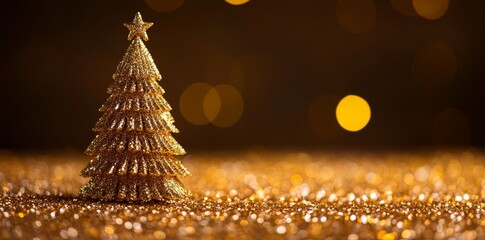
x: 259, y: 195
x: 138, y: 28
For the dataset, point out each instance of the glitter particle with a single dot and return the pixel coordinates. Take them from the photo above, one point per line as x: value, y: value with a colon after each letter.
x: 109, y: 230
x: 388, y: 208
x: 159, y: 235
x: 281, y: 230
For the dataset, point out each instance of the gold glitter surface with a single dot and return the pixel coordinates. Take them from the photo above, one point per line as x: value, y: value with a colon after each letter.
x: 138, y: 28
x: 133, y: 149
x: 259, y: 195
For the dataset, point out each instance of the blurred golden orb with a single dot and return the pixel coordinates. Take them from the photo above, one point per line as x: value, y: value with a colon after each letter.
x: 431, y: 9
x: 191, y: 103
x: 228, y: 100
x: 212, y: 104
x: 221, y: 105
x: 353, y: 113
x: 237, y: 2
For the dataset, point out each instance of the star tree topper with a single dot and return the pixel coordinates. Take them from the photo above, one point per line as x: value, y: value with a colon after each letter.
x: 138, y: 28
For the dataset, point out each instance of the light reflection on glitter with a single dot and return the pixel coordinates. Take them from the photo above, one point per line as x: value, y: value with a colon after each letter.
x: 410, y: 196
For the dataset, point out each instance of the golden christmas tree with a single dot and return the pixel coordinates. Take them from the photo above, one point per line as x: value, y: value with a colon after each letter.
x: 134, y: 150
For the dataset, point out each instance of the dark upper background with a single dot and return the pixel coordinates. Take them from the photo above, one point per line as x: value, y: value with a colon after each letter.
x: 294, y: 60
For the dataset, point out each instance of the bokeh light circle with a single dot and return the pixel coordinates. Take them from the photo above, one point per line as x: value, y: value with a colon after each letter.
x: 164, y: 6
x: 230, y: 106
x: 212, y: 104
x: 434, y: 64
x: 356, y: 16
x: 191, y: 103
x: 353, y: 113
x: 237, y: 2
x: 431, y: 9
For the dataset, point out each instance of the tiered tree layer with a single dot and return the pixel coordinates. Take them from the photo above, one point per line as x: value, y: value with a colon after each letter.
x: 134, y: 149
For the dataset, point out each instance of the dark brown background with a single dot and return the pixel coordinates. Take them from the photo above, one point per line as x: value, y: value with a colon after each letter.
x: 58, y: 58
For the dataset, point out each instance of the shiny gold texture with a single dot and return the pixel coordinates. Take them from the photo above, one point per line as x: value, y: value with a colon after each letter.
x: 138, y: 28
x: 133, y: 151
x: 256, y: 195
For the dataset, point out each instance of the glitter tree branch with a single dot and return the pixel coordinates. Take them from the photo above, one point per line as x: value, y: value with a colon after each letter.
x: 134, y: 150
